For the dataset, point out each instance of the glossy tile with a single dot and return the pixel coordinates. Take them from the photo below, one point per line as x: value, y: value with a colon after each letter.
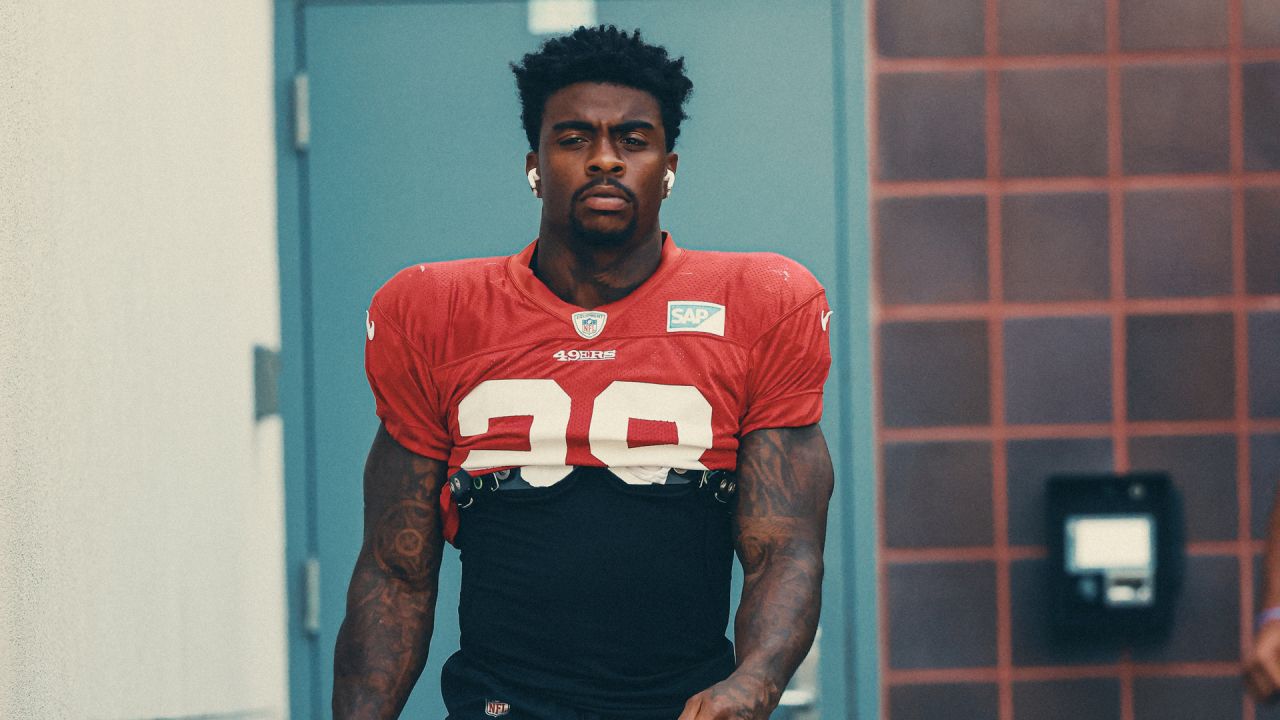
x: 1057, y: 370
x: 1094, y: 698
x: 932, y: 249
x: 1055, y: 247
x: 1174, y: 118
x: 1264, y: 364
x: 931, y: 126
x: 1180, y: 367
x: 934, y: 373
x: 1172, y: 24
x: 1261, y: 23
x: 1262, y: 116
x: 929, y: 28
x: 1052, y: 27
x: 1177, y: 242
x: 1187, y: 698
x: 942, y: 615
x: 1264, y: 478
x: 972, y: 701
x: 937, y: 494
x: 1053, y: 122
x: 1262, y: 240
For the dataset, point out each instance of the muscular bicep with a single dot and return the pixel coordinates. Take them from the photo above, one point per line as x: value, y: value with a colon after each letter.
x: 402, y: 529
x: 784, y: 486
x: 784, y: 472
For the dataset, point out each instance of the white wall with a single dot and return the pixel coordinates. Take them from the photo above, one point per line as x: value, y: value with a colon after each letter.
x: 141, y: 525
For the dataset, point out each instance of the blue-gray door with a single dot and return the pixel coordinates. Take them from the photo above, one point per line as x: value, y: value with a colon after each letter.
x: 416, y: 154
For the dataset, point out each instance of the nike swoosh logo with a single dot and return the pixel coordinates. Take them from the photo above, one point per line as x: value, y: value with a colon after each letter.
x: 368, y: 325
x: 826, y: 318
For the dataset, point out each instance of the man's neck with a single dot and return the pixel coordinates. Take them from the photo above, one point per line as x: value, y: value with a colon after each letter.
x: 595, y: 276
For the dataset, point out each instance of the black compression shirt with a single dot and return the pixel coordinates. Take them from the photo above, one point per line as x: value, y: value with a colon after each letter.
x: 609, y: 597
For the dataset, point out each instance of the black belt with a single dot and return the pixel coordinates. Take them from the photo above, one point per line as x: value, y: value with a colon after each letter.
x: 719, y: 485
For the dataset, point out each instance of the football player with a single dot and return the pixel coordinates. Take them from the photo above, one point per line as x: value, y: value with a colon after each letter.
x: 597, y: 422
x: 1261, y: 665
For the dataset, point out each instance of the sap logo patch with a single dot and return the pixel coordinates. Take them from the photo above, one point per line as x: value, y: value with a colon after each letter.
x: 693, y: 316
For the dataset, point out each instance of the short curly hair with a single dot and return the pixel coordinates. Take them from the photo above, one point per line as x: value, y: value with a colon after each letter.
x: 602, y: 54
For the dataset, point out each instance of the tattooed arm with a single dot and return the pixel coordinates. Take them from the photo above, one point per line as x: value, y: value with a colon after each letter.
x: 784, y: 485
x: 391, y: 602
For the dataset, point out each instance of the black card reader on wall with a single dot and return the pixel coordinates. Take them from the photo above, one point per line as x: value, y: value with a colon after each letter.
x: 1116, y: 551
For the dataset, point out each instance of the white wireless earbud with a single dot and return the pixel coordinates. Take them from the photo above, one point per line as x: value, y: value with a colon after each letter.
x: 668, y: 182
x: 533, y: 180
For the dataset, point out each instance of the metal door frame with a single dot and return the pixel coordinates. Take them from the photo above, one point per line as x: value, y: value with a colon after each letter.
x: 850, y: 593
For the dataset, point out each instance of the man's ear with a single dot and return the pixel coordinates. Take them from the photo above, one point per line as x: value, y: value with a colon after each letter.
x: 669, y: 177
x: 531, y: 172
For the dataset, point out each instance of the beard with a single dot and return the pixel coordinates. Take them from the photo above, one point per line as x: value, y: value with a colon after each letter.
x: 588, y: 238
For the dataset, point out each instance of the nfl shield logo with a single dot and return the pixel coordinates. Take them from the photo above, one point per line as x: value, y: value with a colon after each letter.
x: 589, y: 323
x: 496, y: 708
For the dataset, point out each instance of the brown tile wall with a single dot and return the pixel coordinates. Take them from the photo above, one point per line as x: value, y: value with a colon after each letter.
x: 1076, y: 208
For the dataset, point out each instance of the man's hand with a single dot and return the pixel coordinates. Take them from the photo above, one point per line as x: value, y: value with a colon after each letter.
x: 737, y: 697
x: 1262, y: 663
x: 784, y: 486
x: 391, y: 602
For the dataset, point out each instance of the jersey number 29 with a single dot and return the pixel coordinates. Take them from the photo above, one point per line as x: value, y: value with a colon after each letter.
x: 544, y: 463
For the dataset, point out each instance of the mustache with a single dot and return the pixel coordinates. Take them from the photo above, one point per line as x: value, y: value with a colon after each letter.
x: 611, y: 182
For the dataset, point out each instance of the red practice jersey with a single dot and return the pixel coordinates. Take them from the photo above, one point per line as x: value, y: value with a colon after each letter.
x: 478, y: 363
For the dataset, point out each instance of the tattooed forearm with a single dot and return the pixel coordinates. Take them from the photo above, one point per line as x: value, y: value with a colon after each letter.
x: 382, y: 645
x: 785, y: 481
x: 400, y: 542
